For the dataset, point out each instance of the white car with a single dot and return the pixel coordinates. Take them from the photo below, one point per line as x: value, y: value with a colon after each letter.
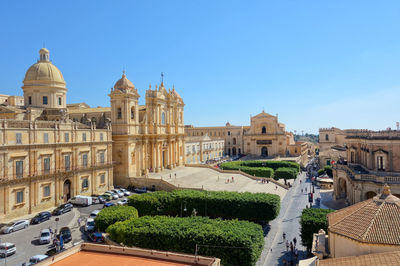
x: 45, y: 236
x: 126, y: 192
x: 123, y: 202
x: 7, y: 249
x: 14, y: 226
x: 94, y: 213
x: 90, y: 226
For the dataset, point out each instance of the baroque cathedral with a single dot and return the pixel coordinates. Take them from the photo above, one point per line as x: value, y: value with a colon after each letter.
x: 146, y: 138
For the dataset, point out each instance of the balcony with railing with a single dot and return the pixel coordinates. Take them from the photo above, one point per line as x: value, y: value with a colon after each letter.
x: 53, y: 171
x: 358, y: 172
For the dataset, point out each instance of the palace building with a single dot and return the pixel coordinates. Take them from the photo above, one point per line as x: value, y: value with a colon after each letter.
x: 45, y: 157
x: 266, y: 137
x: 373, y: 159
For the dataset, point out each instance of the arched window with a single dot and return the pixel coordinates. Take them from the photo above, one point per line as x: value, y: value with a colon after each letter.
x: 133, y: 113
x: 119, y: 113
x: 234, y: 141
x: 163, y: 118
x: 264, y: 130
x: 229, y: 133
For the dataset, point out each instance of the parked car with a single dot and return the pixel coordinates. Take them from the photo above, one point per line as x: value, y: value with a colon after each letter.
x: 90, y: 226
x: 126, y: 192
x: 81, y: 200
x: 94, y: 213
x: 96, y: 237
x: 63, y: 208
x: 45, y: 236
x: 107, y: 196
x: 66, y: 234
x: 113, y: 194
x: 140, y: 190
x: 7, y: 249
x: 98, y: 200
x: 108, y: 204
x: 14, y: 226
x: 41, y: 217
x: 36, y: 259
x: 123, y: 202
x: 119, y: 192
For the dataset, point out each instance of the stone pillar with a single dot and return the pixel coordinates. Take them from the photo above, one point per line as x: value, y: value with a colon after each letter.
x: 153, y: 156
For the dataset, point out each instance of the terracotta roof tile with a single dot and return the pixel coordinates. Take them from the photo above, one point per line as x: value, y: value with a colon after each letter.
x: 375, y: 220
x: 381, y: 259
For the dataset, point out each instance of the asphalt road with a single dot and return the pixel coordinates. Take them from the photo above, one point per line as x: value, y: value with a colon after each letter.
x: 27, y: 240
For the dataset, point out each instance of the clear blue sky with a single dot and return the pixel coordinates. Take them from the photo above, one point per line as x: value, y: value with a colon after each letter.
x: 315, y: 63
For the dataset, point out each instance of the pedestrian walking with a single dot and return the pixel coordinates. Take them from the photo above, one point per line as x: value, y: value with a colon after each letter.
x: 291, y: 247
x: 294, y: 241
x: 170, y: 176
x: 306, y: 190
x: 301, y: 190
x: 287, y: 245
x: 276, y: 187
x: 284, y: 236
x: 175, y: 175
x: 232, y: 179
x: 79, y: 222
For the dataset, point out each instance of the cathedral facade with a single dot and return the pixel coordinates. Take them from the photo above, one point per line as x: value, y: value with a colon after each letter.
x: 146, y: 138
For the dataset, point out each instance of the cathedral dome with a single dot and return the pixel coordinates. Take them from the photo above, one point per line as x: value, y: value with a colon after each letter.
x: 44, y: 72
x: 124, y: 83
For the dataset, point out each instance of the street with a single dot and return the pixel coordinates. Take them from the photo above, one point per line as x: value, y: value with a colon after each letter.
x: 295, y: 201
x: 27, y: 240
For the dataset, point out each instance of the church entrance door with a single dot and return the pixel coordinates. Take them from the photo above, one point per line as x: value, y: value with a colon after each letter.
x: 264, y: 151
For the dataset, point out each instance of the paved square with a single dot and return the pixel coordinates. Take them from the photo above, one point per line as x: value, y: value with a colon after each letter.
x: 208, y: 179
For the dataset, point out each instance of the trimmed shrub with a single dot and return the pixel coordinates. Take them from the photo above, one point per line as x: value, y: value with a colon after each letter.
x: 234, y: 242
x: 111, y: 215
x: 328, y: 170
x: 256, y: 207
x: 311, y: 221
x: 260, y: 168
x: 285, y: 173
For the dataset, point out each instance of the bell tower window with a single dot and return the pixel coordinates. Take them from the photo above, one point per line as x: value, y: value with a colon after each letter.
x: 263, y: 130
x: 59, y: 101
x: 29, y: 100
x: 45, y: 100
x: 133, y: 113
x: 119, y: 113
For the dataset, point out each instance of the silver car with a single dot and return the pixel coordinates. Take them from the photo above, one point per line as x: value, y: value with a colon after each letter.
x: 119, y: 192
x: 113, y: 195
x: 14, y: 226
x: 45, y: 236
x: 126, y: 192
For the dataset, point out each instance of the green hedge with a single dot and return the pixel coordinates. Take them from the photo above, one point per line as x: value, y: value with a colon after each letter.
x: 285, y: 173
x: 256, y: 207
x: 111, y: 215
x: 260, y: 168
x: 234, y: 242
x: 327, y: 169
x: 311, y: 221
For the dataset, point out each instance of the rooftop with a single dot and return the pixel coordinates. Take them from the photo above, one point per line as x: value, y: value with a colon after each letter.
x: 374, y: 221
x: 382, y: 259
x: 99, y: 258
